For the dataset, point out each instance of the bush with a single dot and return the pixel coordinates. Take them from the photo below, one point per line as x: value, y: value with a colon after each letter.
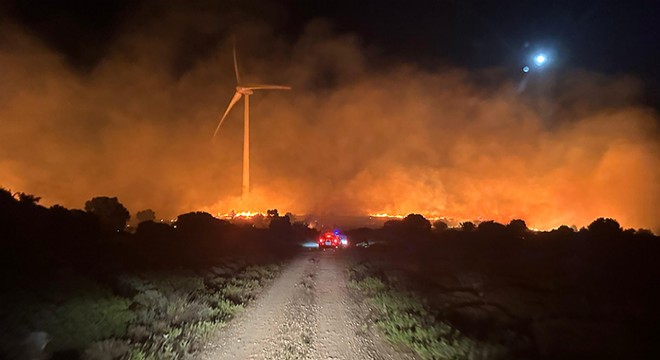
x: 154, y: 307
x: 222, y: 309
x: 235, y: 294
x: 370, y: 285
x: 109, y: 349
x: 74, y: 321
x: 406, y: 320
x: 177, y: 343
x: 258, y: 272
x: 183, y: 311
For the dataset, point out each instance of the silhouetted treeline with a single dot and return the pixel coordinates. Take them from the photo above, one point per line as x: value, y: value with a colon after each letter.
x: 35, y: 239
x: 600, y: 254
x: 415, y: 228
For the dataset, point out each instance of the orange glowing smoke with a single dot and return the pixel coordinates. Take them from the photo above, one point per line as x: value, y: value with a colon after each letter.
x: 349, y: 140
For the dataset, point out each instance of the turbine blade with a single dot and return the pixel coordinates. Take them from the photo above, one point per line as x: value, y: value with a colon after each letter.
x: 267, y: 87
x: 234, y: 100
x: 238, y: 75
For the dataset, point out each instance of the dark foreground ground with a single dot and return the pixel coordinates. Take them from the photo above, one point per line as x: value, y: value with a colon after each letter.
x: 75, y: 285
x: 428, y: 299
x: 472, y: 294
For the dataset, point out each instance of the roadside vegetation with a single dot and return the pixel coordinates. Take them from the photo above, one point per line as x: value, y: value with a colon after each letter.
x: 75, y: 285
x: 494, y: 291
x: 149, y: 315
x: 406, y: 320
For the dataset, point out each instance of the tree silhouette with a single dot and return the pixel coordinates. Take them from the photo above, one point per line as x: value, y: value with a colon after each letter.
x: 197, y: 221
x: 111, y: 213
x: 392, y: 224
x: 517, y: 228
x: 272, y: 213
x: 145, y: 215
x: 416, y: 222
x: 605, y: 229
x: 7, y: 201
x: 492, y: 230
x: 280, y: 225
x: 24, y: 198
x: 468, y: 226
x: 440, y: 226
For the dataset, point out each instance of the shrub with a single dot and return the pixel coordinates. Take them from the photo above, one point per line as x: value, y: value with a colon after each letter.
x: 222, y: 309
x: 109, y: 349
x: 235, y: 294
x: 151, y: 300
x: 182, y: 311
x: 138, y: 332
x: 77, y: 321
x: 259, y: 273
x: 166, y: 282
x: 177, y: 343
x: 240, y: 291
x: 406, y: 320
x: 359, y: 271
x: 371, y: 285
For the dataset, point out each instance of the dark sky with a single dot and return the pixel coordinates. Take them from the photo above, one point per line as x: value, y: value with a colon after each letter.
x: 610, y: 36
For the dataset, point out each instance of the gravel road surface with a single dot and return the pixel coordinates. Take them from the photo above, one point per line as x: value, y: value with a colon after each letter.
x: 306, y: 313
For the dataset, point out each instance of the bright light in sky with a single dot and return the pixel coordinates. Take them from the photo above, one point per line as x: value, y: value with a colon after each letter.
x: 525, y: 69
x: 540, y: 59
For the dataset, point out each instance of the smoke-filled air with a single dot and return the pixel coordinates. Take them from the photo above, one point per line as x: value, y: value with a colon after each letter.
x: 356, y: 135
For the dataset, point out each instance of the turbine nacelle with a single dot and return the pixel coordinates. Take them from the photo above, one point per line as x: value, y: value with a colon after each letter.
x: 244, y: 90
x: 249, y: 89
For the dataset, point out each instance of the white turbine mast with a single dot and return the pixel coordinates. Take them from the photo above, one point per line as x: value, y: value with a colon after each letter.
x: 245, y: 90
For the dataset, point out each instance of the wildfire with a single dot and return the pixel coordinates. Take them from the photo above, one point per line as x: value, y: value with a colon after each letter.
x: 240, y: 215
x: 384, y: 215
x: 429, y: 217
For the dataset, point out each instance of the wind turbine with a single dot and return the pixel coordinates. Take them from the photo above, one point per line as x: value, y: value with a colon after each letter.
x: 245, y: 90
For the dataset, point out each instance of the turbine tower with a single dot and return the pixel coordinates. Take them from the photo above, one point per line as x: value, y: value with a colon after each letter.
x: 245, y: 90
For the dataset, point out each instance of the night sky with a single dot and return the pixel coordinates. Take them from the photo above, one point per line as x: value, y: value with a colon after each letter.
x: 608, y: 36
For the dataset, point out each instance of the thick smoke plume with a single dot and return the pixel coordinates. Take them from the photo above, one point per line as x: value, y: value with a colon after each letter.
x: 348, y: 139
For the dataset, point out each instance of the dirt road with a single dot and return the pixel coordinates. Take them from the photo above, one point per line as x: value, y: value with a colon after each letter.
x: 306, y: 313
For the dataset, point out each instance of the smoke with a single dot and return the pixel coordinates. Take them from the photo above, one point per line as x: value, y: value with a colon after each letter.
x: 351, y: 138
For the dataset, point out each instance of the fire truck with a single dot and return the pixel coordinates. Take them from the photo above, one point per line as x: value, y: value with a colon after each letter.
x: 333, y: 240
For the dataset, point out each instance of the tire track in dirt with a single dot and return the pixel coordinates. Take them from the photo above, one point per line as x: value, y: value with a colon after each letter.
x: 344, y: 329
x: 297, y: 331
